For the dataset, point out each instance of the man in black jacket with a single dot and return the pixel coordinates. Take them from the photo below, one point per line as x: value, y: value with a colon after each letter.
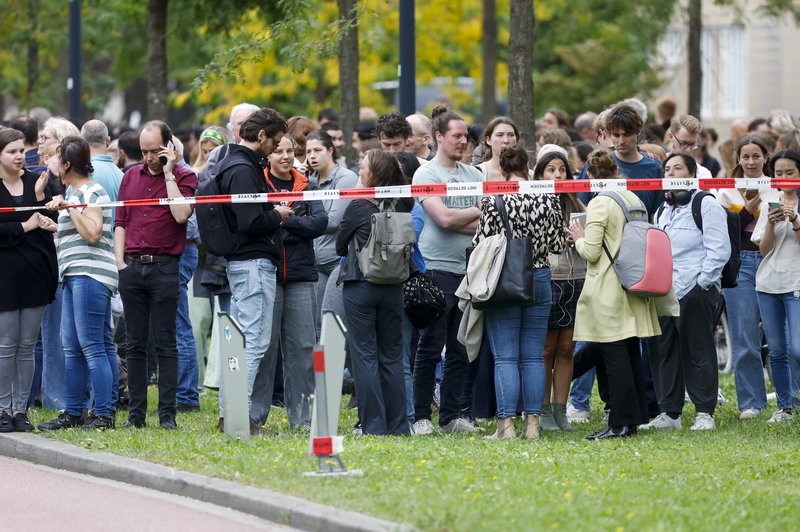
x: 252, y: 264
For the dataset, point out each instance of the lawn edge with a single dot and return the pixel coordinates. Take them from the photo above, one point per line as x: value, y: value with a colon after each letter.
x: 270, y: 505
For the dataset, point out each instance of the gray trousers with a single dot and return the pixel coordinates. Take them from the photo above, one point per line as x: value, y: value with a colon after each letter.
x: 19, y: 330
x: 293, y: 334
x: 686, y: 357
x: 327, y: 292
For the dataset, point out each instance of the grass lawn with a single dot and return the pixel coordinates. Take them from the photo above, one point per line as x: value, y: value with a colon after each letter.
x: 743, y: 476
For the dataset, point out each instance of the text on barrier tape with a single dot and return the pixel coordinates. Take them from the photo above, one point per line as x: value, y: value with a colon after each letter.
x: 485, y: 188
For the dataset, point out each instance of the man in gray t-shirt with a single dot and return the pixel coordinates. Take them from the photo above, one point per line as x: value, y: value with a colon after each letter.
x: 450, y: 223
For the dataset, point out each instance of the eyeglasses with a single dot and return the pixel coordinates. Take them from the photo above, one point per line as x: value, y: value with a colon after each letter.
x: 693, y: 145
x: 44, y: 138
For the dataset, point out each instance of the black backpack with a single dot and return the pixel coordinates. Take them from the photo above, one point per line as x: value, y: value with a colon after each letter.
x: 216, y: 221
x: 731, y: 270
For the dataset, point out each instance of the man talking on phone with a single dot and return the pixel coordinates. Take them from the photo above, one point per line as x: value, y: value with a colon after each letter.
x: 148, y: 243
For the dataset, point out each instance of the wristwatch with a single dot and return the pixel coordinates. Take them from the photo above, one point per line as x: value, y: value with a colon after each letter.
x: 169, y: 178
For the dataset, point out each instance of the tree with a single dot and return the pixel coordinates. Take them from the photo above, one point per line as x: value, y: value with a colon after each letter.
x: 348, y: 71
x: 592, y: 53
x: 157, y: 60
x: 520, y: 68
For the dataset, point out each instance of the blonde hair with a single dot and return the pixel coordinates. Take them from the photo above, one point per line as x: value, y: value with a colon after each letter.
x: 48, y: 152
x: 654, y: 151
x: 61, y: 128
x: 688, y: 122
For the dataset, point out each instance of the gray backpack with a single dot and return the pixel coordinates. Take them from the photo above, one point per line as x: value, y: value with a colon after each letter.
x: 385, y: 257
x: 644, y: 261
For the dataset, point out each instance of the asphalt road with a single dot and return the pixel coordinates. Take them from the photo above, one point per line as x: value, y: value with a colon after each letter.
x: 38, y: 498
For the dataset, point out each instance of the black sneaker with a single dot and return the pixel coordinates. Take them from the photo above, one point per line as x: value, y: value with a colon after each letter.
x: 63, y: 421
x: 99, y: 423
x: 168, y: 422
x: 6, y: 423
x: 134, y: 423
x: 183, y: 407
x: 21, y: 422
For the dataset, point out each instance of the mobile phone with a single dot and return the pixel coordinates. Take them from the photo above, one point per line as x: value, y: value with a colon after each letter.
x: 580, y: 216
x: 750, y: 193
x: 774, y: 205
x: 163, y: 159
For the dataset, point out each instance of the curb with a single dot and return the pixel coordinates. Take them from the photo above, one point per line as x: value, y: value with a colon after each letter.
x: 269, y: 505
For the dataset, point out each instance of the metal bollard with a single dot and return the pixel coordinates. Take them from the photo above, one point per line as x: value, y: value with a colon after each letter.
x: 324, y: 443
x: 234, y: 378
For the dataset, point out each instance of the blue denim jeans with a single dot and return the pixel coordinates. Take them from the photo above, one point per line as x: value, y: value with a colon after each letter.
x: 187, y: 350
x: 252, y: 284
x: 407, y: 373
x: 743, y: 317
x: 581, y: 391
x: 49, y: 357
x: 517, y: 335
x: 781, y: 316
x: 86, y: 310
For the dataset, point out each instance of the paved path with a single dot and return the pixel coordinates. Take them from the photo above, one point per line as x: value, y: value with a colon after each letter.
x: 39, y: 498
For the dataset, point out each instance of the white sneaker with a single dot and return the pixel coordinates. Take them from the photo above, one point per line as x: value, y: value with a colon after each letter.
x: 663, y: 421
x: 750, y: 413
x: 460, y: 425
x: 703, y: 422
x: 780, y: 416
x: 423, y: 427
x: 576, y: 416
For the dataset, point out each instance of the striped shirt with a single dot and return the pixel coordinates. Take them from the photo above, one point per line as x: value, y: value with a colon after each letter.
x: 76, y: 256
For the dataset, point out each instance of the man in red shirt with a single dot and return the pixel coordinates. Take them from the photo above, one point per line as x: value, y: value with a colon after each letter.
x: 148, y: 243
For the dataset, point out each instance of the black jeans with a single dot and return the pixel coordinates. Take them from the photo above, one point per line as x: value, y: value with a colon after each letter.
x: 443, y: 333
x: 374, y: 315
x: 685, y: 356
x: 150, y: 291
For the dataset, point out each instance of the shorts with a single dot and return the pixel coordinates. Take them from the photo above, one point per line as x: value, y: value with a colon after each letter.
x: 565, y: 303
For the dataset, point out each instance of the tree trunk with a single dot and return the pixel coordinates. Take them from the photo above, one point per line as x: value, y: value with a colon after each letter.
x: 489, y: 44
x: 157, y: 60
x: 348, y: 77
x: 520, y: 69
x: 694, y: 51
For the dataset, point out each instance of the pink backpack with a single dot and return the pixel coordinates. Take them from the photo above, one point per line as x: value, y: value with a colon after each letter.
x: 644, y: 262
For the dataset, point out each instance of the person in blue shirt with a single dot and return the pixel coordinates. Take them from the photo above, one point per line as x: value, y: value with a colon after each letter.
x: 684, y: 356
x: 623, y: 125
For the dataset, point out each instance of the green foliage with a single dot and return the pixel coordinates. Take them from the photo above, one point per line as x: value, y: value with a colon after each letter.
x: 743, y: 476
x: 591, y: 53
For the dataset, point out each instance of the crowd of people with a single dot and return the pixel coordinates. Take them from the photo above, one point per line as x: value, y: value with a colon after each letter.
x: 100, y: 302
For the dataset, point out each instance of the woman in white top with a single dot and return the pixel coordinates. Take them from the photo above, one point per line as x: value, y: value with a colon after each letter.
x: 778, y: 282
x: 501, y: 133
x: 740, y: 301
x: 89, y: 274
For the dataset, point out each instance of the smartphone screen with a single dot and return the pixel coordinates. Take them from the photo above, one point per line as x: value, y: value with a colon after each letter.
x: 580, y: 216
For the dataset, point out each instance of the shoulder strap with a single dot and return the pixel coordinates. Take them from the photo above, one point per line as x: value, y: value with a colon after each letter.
x: 501, y: 210
x: 658, y: 213
x: 628, y: 210
x: 697, y: 213
x: 389, y: 204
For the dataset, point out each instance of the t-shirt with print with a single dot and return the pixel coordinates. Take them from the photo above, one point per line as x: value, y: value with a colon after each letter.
x: 444, y: 249
x: 76, y: 256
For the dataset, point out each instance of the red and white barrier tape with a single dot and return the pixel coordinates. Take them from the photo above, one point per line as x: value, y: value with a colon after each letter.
x: 479, y: 188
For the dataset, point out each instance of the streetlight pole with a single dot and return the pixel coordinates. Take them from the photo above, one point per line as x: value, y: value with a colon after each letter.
x: 407, y: 69
x: 74, y: 80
